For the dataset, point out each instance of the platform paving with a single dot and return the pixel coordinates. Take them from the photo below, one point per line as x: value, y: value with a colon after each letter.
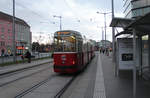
x: 90, y: 83
x: 121, y: 86
x: 99, y: 91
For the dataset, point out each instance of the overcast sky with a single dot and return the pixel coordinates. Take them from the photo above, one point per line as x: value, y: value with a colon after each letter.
x: 79, y: 15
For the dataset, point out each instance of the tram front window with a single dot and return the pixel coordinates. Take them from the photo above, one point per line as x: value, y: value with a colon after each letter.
x: 65, y: 44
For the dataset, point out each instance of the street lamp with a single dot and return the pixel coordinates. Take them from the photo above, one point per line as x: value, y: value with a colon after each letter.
x: 13, y: 27
x: 104, y: 23
x: 60, y: 20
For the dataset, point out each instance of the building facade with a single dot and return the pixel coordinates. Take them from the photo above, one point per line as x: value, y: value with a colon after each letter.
x: 103, y: 44
x: 136, y: 8
x: 22, y: 35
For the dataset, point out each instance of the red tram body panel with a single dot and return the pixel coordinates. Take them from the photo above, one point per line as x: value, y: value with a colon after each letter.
x: 65, y: 62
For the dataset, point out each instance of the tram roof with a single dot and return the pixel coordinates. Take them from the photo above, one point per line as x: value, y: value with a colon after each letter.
x: 76, y: 33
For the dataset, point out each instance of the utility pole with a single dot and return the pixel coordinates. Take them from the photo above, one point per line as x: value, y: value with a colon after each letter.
x: 104, y: 23
x: 60, y: 21
x: 102, y: 34
x: 13, y: 28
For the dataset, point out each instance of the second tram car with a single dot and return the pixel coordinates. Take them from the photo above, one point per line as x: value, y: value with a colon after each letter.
x: 72, y: 52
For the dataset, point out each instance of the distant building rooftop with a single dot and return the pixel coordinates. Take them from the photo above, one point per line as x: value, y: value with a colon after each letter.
x: 9, y: 18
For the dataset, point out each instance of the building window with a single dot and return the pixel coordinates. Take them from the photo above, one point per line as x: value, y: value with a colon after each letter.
x: 8, y: 30
x: 8, y: 44
x: 2, y: 30
x: 1, y: 22
x: 9, y: 25
x: 2, y: 36
x: 2, y: 43
x: 9, y: 37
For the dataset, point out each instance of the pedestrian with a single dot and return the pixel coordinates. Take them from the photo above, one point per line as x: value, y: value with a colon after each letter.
x: 100, y: 50
x: 2, y: 52
x: 22, y: 57
x: 107, y: 52
x: 28, y: 56
x: 103, y: 51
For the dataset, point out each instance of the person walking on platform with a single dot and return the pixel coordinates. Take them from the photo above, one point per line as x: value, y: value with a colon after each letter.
x: 100, y: 50
x: 103, y: 51
x: 28, y: 56
x: 107, y: 52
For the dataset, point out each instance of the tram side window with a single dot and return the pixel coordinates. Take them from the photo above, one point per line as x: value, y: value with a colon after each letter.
x: 80, y: 46
x: 57, y: 45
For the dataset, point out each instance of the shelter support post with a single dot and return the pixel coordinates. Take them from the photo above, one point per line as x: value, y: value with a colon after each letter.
x: 114, y: 50
x: 149, y: 51
x: 140, y: 54
x: 134, y: 66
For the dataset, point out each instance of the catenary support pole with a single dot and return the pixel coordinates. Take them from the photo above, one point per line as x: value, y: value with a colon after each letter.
x: 13, y: 28
x: 113, y: 41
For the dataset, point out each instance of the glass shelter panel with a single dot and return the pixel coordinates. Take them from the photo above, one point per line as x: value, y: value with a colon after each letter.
x: 145, y: 51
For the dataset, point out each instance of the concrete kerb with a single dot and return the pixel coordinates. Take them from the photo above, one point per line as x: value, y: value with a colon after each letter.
x: 23, y: 68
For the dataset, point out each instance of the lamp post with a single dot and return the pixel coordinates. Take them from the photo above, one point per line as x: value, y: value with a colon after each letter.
x: 13, y: 27
x: 102, y: 34
x: 113, y: 33
x: 104, y: 23
x: 60, y: 20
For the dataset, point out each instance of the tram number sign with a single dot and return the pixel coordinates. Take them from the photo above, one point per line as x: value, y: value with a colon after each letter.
x: 63, y: 57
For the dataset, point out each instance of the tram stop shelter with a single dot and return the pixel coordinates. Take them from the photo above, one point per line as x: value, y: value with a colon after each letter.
x: 139, y: 29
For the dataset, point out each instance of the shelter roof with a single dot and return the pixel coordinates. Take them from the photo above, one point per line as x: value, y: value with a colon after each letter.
x: 123, y: 32
x: 141, y: 24
x: 120, y: 22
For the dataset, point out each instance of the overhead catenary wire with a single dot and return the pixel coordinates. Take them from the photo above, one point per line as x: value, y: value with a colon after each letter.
x: 34, y: 13
x: 78, y: 19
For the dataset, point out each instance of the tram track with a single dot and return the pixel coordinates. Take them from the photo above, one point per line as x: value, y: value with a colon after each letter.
x: 34, y: 87
x: 9, y: 75
x: 6, y: 74
x: 6, y: 83
x: 65, y: 87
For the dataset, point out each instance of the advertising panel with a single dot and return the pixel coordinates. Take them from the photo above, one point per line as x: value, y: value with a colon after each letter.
x: 125, y: 53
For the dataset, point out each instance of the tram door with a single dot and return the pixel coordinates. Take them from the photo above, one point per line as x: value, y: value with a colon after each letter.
x: 79, y: 53
x: 88, y: 52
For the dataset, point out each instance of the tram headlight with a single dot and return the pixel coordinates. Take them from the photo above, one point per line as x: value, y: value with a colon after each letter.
x: 73, y: 62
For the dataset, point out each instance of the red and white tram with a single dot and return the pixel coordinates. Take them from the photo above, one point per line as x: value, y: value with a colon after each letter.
x: 72, y: 52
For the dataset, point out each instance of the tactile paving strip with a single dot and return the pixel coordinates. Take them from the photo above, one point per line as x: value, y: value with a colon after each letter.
x: 99, y: 91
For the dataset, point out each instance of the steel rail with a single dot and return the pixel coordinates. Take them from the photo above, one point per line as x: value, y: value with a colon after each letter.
x: 34, y: 87
x: 21, y: 69
x: 61, y: 92
x: 12, y: 81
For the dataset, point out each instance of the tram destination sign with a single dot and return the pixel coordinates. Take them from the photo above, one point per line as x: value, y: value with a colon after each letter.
x: 63, y: 33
